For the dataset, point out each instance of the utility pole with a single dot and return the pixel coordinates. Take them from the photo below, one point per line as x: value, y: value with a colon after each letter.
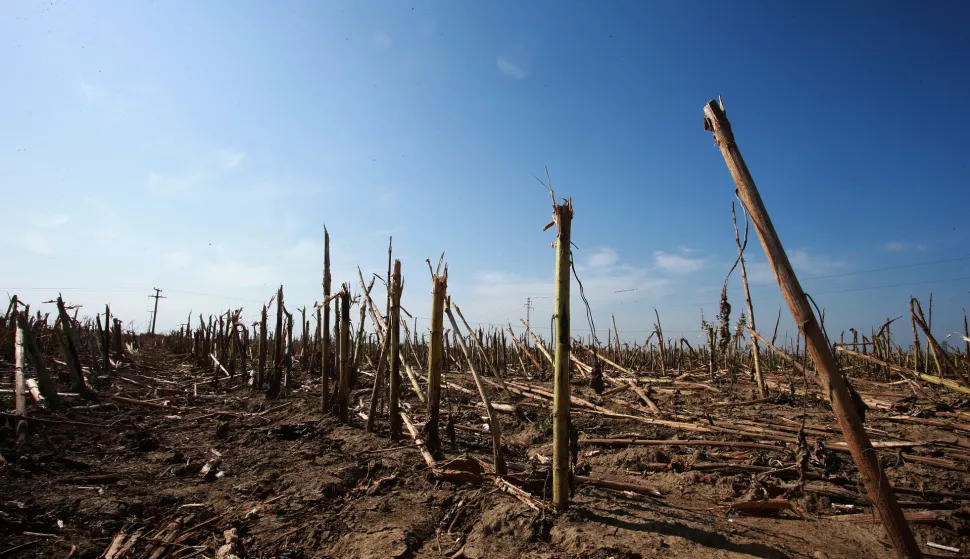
x: 156, y: 296
x: 528, y: 312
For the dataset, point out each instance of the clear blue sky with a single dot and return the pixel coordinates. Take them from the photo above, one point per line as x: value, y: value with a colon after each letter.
x: 200, y: 147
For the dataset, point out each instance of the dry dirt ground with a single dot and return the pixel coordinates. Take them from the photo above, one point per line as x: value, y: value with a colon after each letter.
x: 221, y: 472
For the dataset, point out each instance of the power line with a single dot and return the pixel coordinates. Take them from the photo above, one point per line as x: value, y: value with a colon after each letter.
x: 886, y: 269
x: 529, y: 301
x: 110, y: 289
x: 214, y: 295
x: 703, y: 303
x: 223, y: 296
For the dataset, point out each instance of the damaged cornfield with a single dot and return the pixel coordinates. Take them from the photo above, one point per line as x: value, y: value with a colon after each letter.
x: 336, y: 430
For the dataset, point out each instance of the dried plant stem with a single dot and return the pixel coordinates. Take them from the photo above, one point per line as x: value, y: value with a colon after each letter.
x: 561, y: 472
x: 394, y: 363
x: 343, y: 392
x: 378, y: 384
x: 325, y: 360
x: 756, y: 350
x: 435, y: 361
x: 69, y: 348
x: 493, y: 421
x: 874, y: 478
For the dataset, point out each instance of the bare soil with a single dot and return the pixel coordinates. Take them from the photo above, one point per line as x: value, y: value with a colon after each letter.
x: 124, y: 480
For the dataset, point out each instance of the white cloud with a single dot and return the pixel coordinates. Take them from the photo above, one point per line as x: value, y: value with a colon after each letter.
x: 498, y: 295
x: 224, y: 271
x: 305, y: 248
x: 509, y: 286
x: 88, y: 89
x: 291, y: 222
x: 53, y: 220
x: 173, y: 183
x: 603, y: 258
x: 810, y: 264
x: 515, y: 62
x: 759, y: 272
x: 386, y: 199
x: 142, y: 89
x: 510, y: 69
x: 804, y: 263
x: 676, y: 263
x: 176, y: 260
x: 104, y: 223
x: 161, y: 183
x: 229, y: 159
x: 35, y: 243
x: 900, y: 246
x: 382, y: 40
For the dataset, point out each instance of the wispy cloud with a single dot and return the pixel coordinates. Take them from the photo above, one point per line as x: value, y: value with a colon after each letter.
x: 509, y: 286
x: 515, y: 62
x: 386, y: 199
x: 291, y: 222
x: 230, y: 159
x: 814, y: 264
x: 89, y: 90
x: 805, y: 263
x: 161, y: 183
x: 103, y: 222
x: 759, y: 272
x: 900, y: 246
x: 382, y: 41
x: 176, y: 260
x: 304, y: 248
x: 207, y: 170
x: 677, y: 263
x: 35, y: 243
x: 601, y: 258
x: 499, y: 294
x: 52, y: 220
x: 226, y: 271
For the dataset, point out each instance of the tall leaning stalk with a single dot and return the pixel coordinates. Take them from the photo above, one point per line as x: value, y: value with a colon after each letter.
x: 495, y: 426
x: 563, y: 215
x: 756, y: 349
x: 359, y: 338
x: 436, y: 361
x: 830, y: 377
x: 394, y: 331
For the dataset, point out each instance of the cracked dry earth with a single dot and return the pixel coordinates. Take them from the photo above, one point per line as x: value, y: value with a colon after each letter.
x: 223, y: 472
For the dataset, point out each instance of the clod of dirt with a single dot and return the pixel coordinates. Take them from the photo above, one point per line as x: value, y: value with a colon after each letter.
x: 185, y: 470
x: 382, y: 485
x: 528, y: 436
x: 73, y: 464
x: 291, y: 432
x: 136, y: 508
x: 502, y: 523
x: 142, y: 441
x: 389, y: 543
x: 613, y: 553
